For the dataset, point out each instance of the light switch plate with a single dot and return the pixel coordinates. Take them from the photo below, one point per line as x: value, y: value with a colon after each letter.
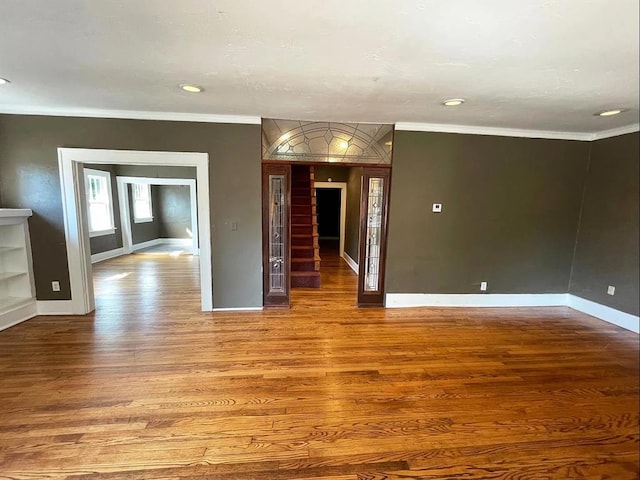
x: 611, y: 290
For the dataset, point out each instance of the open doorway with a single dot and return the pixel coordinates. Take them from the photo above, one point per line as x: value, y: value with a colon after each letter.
x: 147, y: 216
x: 72, y: 162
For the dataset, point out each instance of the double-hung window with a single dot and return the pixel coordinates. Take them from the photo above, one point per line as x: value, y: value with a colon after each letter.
x: 97, y: 186
x: 142, y: 207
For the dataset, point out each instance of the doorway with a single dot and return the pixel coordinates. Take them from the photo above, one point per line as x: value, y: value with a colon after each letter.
x: 71, y: 161
x: 282, y: 248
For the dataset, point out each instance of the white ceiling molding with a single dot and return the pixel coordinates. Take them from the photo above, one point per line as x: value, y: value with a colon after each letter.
x: 501, y: 132
x: 133, y: 115
x: 515, y: 132
x: 614, y: 132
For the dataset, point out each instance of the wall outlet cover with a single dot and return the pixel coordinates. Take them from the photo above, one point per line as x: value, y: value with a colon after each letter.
x: 611, y: 290
x: 483, y: 286
x: 437, y: 207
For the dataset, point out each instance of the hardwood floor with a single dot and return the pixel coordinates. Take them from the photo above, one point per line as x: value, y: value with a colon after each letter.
x: 148, y: 387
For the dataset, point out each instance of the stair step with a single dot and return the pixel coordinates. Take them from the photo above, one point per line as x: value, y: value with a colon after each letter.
x: 302, y: 251
x: 305, y: 279
x: 303, y: 265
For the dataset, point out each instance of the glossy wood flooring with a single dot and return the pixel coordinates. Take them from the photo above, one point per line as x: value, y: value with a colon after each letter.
x: 150, y: 388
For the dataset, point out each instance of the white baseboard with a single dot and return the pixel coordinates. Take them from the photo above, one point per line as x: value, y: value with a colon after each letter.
x: 99, y: 257
x: 55, y: 307
x: 237, y: 309
x: 180, y: 242
x: 19, y: 314
x: 399, y: 300
x: 608, y: 314
x: 186, y: 242
x: 351, y: 262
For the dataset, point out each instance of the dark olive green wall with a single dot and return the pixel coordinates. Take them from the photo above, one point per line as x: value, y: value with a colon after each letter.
x: 155, y: 171
x: 336, y: 173
x: 352, y: 221
x: 174, y: 210
x: 145, y: 231
x: 607, y: 244
x: 509, y: 216
x: 29, y: 178
x: 104, y: 243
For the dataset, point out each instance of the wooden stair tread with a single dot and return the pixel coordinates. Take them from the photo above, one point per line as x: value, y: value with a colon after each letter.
x: 311, y: 273
x: 306, y: 259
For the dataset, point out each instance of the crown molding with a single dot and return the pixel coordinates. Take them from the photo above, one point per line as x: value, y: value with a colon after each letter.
x: 132, y: 115
x: 516, y: 132
x: 614, y: 132
x: 256, y: 120
x: 502, y: 132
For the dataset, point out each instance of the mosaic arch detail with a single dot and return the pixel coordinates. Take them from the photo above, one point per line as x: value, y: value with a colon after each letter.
x: 327, y: 142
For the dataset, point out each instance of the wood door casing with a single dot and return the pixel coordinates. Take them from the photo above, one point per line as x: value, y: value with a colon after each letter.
x: 276, y: 217
x: 374, y: 218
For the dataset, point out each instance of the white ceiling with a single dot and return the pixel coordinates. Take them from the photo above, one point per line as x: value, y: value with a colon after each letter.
x: 521, y: 64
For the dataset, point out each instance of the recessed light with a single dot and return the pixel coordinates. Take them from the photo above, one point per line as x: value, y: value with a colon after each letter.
x: 188, y: 87
x: 4, y: 81
x: 608, y: 113
x: 453, y: 102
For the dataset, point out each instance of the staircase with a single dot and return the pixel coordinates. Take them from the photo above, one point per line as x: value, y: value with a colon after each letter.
x: 305, y: 257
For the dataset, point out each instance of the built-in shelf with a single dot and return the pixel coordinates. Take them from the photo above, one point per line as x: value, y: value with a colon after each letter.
x: 10, y: 275
x: 14, y: 302
x: 17, y: 291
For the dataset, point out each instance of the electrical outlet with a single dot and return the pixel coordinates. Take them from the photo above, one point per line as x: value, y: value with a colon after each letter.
x: 437, y: 207
x: 55, y: 286
x: 611, y: 290
x: 483, y: 286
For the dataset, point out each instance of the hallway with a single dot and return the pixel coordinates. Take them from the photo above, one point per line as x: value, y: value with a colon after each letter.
x: 339, y: 284
x: 149, y: 387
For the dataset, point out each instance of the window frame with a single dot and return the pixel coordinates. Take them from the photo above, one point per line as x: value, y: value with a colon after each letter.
x: 137, y: 219
x: 107, y: 177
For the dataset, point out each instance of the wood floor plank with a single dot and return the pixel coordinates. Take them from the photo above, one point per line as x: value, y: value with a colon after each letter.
x: 149, y: 387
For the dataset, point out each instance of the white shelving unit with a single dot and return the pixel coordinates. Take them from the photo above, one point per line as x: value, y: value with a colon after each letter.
x: 17, y: 291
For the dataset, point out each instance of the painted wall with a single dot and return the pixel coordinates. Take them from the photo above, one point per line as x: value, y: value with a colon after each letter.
x: 352, y: 221
x: 145, y: 231
x: 607, y: 243
x: 509, y: 216
x: 160, y: 171
x: 104, y: 243
x: 174, y: 210
x: 322, y: 173
x: 29, y: 178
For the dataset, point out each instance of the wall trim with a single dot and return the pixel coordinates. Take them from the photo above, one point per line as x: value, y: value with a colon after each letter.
x: 70, y: 161
x: 132, y: 115
x: 99, y: 257
x: 15, y: 315
x: 342, y: 186
x: 352, y: 263
x: 400, y: 300
x: 238, y: 309
x: 615, y: 132
x: 608, y: 314
x: 186, y: 242
x: 124, y: 204
x: 514, y: 132
x: 55, y: 307
x: 602, y: 312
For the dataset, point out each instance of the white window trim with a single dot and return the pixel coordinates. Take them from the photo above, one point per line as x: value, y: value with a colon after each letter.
x: 107, y: 176
x: 142, y: 219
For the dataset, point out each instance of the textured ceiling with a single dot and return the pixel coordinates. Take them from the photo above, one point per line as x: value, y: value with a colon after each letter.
x: 545, y: 65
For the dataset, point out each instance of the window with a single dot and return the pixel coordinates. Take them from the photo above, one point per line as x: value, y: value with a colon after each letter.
x: 142, y: 208
x: 97, y: 185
